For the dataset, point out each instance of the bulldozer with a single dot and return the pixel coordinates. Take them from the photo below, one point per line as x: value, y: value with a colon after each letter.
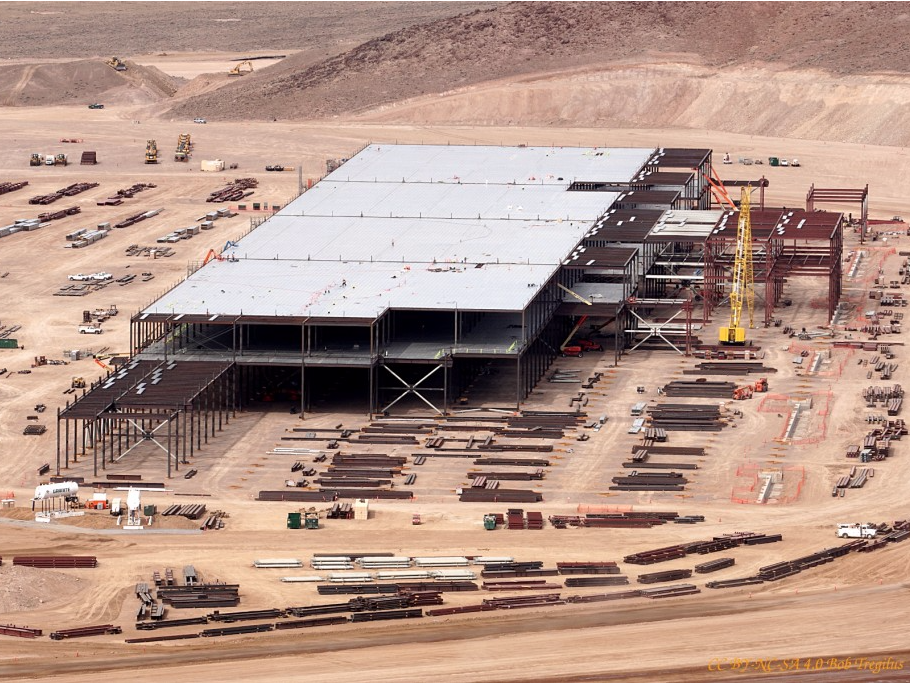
x: 116, y: 64
x: 245, y: 67
x: 151, y: 152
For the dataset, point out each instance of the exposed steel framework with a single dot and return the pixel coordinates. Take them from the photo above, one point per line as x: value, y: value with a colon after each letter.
x: 818, y: 195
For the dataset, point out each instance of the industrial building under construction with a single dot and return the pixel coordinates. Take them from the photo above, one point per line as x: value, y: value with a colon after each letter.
x: 415, y: 272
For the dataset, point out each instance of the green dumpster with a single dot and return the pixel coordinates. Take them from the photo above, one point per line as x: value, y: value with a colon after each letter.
x: 293, y: 520
x: 773, y: 161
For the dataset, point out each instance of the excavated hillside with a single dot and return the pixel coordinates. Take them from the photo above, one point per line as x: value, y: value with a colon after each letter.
x: 82, y: 82
x: 685, y: 45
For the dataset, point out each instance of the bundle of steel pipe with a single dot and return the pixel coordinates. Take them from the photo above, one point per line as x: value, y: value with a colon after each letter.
x: 84, y: 631
x: 587, y: 567
x: 19, y: 631
x: 714, y: 565
x: 499, y: 496
x: 236, y: 630
x: 168, y: 623
x: 660, y: 577
x: 513, y: 462
x: 699, y: 389
x: 56, y: 561
x: 670, y: 591
x: 586, y: 581
x: 308, y: 623
x: 384, y: 616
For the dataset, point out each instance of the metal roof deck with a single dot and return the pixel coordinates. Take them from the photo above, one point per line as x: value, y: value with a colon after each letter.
x: 685, y: 226
x: 625, y: 225
x: 491, y: 164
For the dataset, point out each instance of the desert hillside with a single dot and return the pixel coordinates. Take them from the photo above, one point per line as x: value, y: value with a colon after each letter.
x: 519, y: 39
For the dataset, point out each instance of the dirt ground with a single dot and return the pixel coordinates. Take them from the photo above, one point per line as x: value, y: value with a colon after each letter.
x: 675, y: 640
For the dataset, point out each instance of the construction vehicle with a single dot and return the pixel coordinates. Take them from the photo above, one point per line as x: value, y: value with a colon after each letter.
x: 742, y: 393
x: 212, y: 256
x: 727, y: 159
x: 116, y: 64
x: 588, y: 345
x: 36, y: 160
x: 856, y: 531
x: 96, y: 105
x: 573, y: 349
x: 184, y: 145
x: 743, y: 291
x: 60, y: 160
x: 795, y: 162
x: 245, y: 67
x: 761, y: 385
x: 78, y: 383
x: 415, y: 520
x: 151, y: 152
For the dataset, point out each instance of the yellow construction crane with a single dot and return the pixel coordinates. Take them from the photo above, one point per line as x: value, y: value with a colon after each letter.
x: 743, y: 277
x: 241, y: 69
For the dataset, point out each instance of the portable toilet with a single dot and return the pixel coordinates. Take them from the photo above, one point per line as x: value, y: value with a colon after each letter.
x: 293, y: 520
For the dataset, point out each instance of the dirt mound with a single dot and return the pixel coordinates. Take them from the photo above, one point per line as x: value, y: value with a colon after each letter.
x: 83, y: 81
x: 516, y: 40
x: 24, y: 589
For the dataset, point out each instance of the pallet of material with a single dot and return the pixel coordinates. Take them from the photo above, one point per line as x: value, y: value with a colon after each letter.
x: 499, y: 496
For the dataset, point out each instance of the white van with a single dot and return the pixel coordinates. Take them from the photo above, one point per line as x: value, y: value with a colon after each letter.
x: 856, y: 531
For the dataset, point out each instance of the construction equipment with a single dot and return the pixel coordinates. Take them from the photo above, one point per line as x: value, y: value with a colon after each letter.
x: 742, y: 393
x: 184, y: 145
x: 116, y: 64
x: 151, y: 152
x: 241, y: 69
x: 212, y: 256
x: 415, y: 520
x: 102, y: 364
x: 60, y: 160
x: 78, y: 383
x: 575, y: 350
x: 761, y: 385
x: 727, y: 159
x: 36, y: 160
x: 856, y: 530
x: 743, y: 277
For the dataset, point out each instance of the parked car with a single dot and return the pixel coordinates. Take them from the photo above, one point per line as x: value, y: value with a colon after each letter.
x: 89, y: 329
x: 96, y: 106
x: 198, y: 120
x: 79, y: 277
x: 101, y: 276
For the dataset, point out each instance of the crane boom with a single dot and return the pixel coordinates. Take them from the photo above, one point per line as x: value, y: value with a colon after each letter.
x: 743, y: 291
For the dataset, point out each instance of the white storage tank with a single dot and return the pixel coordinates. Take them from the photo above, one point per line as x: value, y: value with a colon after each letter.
x: 66, y: 489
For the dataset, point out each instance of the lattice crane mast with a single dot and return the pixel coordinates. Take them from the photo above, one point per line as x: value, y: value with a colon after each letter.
x: 743, y: 291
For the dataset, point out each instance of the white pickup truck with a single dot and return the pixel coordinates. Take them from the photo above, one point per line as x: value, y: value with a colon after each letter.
x: 90, y: 329
x: 856, y: 531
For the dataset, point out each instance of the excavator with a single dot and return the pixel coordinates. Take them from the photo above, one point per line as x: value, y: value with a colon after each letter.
x: 241, y: 69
